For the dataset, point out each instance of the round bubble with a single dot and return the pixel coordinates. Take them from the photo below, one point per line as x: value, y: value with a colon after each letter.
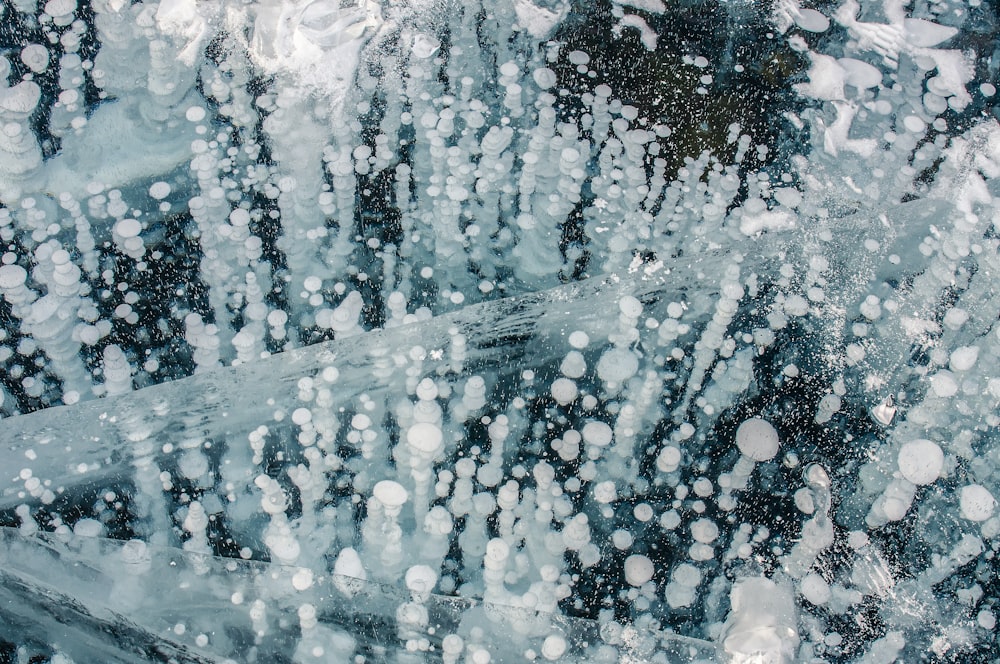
x: 421, y: 579
x: 389, y: 493
x: 638, y: 570
x: 564, y: 391
x: 704, y: 531
x: 977, y: 502
x: 579, y: 339
x: 195, y: 113
x: 57, y: 8
x: 963, y: 358
x: 302, y: 579
x: 687, y: 575
x: 597, y: 433
x: 617, y: 365
x: 573, y: 365
x: 643, y: 512
x: 921, y: 461
x: 815, y: 589
x: 553, y: 647
x: 159, y: 190
x: 630, y: 306
x: 349, y: 563
x: 36, y: 57
x: 128, y: 228
x: 622, y: 539
x: 668, y: 459
x: 757, y: 439
x: 544, y: 77
x: 424, y: 436
x: 12, y: 276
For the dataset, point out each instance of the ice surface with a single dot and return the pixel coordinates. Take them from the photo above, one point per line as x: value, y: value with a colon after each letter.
x: 528, y: 331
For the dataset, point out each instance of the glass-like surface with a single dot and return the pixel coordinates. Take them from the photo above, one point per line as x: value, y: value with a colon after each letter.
x: 516, y: 331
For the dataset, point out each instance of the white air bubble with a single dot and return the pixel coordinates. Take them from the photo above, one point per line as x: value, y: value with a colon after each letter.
x: 390, y: 494
x: 36, y: 57
x: 617, y: 365
x: 425, y: 437
x: 638, y: 570
x: 159, y: 190
x: 553, y: 647
x: 815, y: 589
x: 544, y: 78
x: 579, y: 339
x: 564, y: 391
x: 757, y: 439
x: 597, y: 433
x: 811, y: 20
x: 920, y: 461
x: 914, y: 124
x: 195, y: 113
x: 301, y: 416
x: 976, y: 502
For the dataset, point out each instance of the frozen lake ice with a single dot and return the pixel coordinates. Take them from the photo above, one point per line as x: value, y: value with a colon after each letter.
x: 429, y: 331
